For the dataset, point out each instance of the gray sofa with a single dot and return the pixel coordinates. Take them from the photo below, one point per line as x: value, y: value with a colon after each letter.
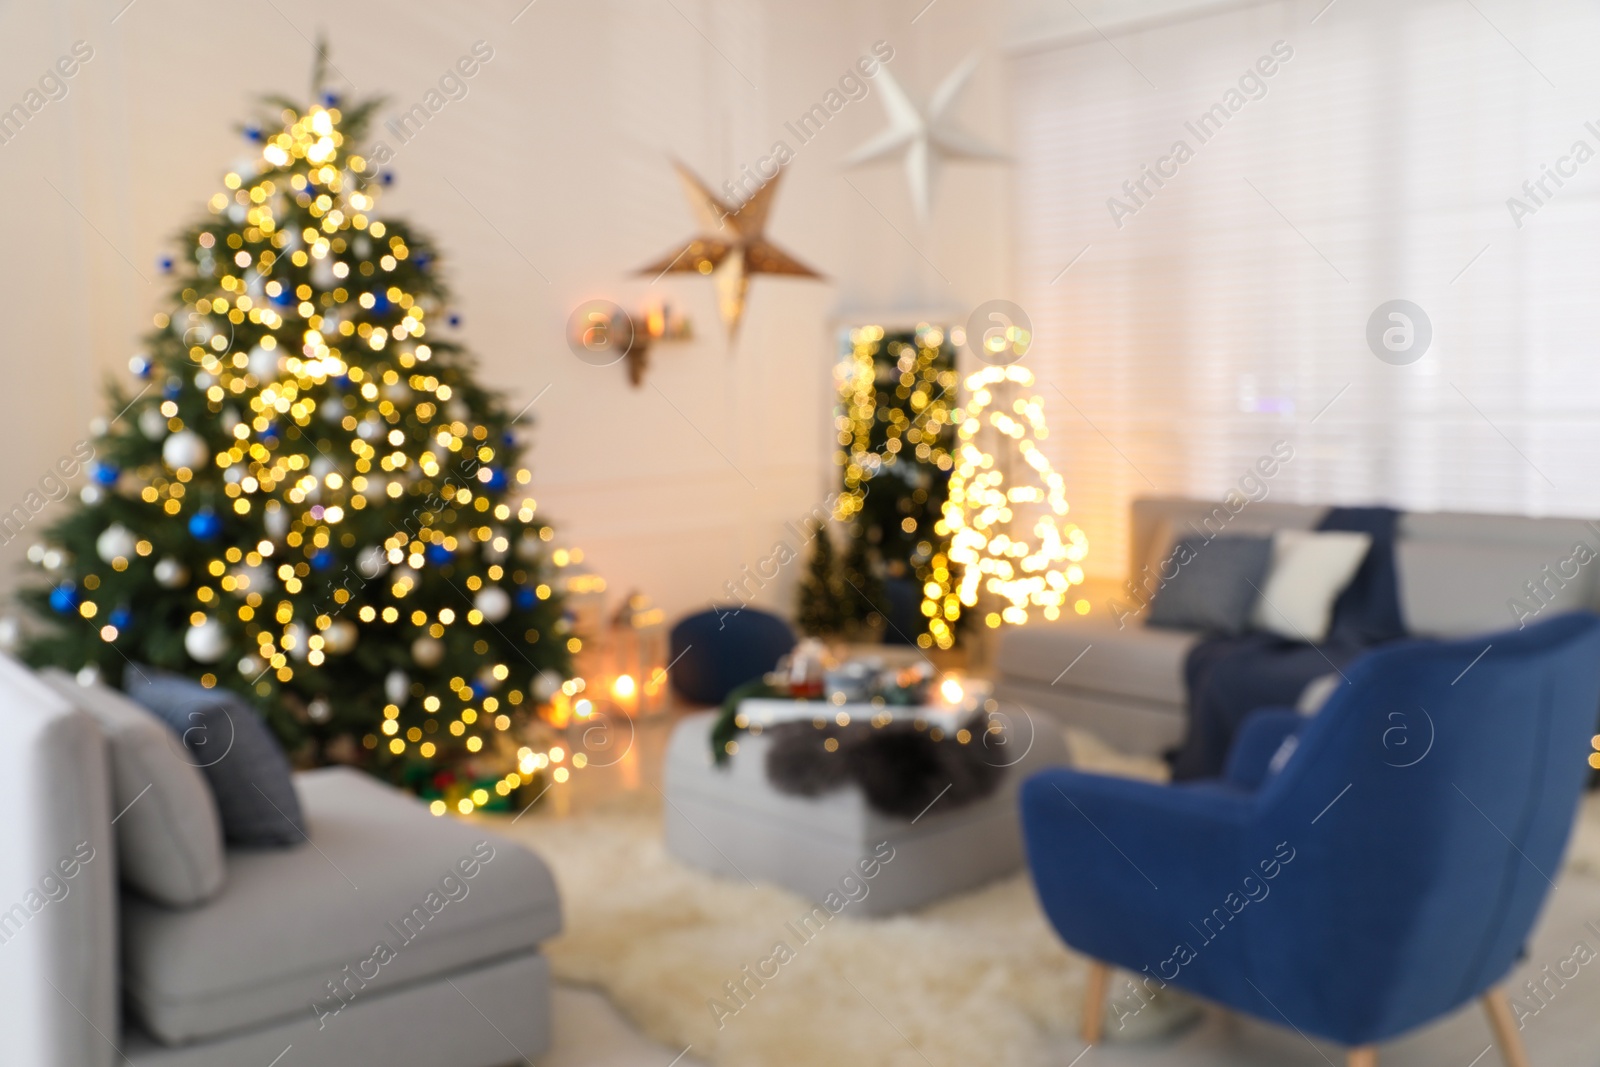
x: 276, y: 966
x: 1459, y: 574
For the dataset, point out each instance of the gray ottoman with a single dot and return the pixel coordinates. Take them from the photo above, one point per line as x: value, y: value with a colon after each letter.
x: 728, y: 820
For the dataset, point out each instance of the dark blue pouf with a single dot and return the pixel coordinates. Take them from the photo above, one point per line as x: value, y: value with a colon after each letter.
x: 716, y: 651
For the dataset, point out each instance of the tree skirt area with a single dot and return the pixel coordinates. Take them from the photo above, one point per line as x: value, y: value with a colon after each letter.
x: 975, y: 979
x: 978, y: 978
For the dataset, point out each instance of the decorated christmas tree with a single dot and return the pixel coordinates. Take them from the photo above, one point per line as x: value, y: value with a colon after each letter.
x: 820, y: 606
x: 305, y: 496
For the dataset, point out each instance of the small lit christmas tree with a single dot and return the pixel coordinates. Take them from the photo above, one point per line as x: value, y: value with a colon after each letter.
x: 820, y: 607
x: 309, y: 499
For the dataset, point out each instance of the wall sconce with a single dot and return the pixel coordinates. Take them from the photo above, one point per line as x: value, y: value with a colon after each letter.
x: 600, y: 333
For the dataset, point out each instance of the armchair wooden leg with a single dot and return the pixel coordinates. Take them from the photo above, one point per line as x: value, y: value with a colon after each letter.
x: 1094, y: 1000
x: 1365, y: 1056
x: 1504, y: 1024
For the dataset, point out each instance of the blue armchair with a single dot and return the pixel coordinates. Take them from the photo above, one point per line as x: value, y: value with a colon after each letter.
x: 1387, y: 873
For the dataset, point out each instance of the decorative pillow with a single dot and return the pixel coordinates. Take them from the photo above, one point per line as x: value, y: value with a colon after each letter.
x: 1215, y: 585
x: 1309, y: 571
x: 247, y: 771
x: 169, y: 836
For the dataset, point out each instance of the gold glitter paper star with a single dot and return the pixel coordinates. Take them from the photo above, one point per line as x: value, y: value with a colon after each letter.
x: 732, y: 245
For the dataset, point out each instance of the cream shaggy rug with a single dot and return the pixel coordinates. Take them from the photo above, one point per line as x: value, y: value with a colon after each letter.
x: 976, y: 979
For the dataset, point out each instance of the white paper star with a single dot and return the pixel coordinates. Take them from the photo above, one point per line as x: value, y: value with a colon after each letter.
x: 928, y: 136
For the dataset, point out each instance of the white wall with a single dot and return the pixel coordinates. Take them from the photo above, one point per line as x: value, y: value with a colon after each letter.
x: 563, y: 142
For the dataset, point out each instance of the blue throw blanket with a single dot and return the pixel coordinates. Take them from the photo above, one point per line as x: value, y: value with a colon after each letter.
x: 1228, y: 678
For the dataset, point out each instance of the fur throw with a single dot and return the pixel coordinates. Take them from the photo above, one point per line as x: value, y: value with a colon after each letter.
x: 899, y: 766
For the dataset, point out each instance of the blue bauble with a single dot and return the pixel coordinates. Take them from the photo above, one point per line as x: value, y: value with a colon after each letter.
x: 105, y: 473
x: 387, y: 179
x: 330, y: 99
x: 252, y: 132
x: 120, y: 618
x: 284, y: 297
x: 165, y: 264
x: 270, y: 434
x: 173, y: 388
x: 497, y: 479
x: 321, y: 559
x: 140, y: 365
x: 64, y: 598
x: 454, y: 319
x: 438, y: 555
x: 479, y: 690
x: 508, y: 438
x: 525, y: 599
x: 205, y: 525
x: 342, y: 381
x: 380, y: 303
x: 422, y: 259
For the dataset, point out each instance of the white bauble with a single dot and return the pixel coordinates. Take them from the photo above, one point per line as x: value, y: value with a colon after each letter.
x: 88, y: 674
x: 264, y: 364
x: 377, y: 487
x: 397, y: 687
x: 10, y: 633
x: 115, y: 541
x: 91, y: 494
x: 340, y: 637
x: 494, y: 602
x: 54, y: 560
x: 185, y: 449
x: 230, y: 418
x: 252, y: 579
x: 251, y: 666
x: 98, y: 426
x: 546, y: 684
x: 319, y: 709
x: 362, y: 245
x: 322, y: 276
x: 427, y: 651
x: 372, y: 562
x: 369, y: 428
x: 529, y: 548
x: 170, y: 573
x: 234, y: 474
x: 276, y: 521
x: 206, y: 642
x: 294, y: 640
x: 490, y: 552
x: 397, y: 392
x: 236, y: 214
x: 153, y: 424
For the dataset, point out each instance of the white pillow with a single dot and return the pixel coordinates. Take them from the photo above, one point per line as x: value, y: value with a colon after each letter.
x: 169, y: 834
x: 1309, y: 570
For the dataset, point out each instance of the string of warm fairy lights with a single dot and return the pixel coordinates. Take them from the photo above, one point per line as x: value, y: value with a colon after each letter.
x: 980, y: 511
x: 920, y: 383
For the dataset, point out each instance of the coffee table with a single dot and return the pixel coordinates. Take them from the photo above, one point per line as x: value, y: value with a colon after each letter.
x: 728, y: 819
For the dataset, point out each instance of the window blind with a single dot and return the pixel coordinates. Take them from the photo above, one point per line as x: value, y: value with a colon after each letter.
x: 1182, y: 326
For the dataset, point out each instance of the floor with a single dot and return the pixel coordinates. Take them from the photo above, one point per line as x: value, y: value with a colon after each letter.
x: 589, y: 1032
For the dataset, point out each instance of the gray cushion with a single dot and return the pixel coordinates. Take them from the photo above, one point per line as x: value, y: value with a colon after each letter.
x: 288, y: 923
x: 169, y: 836
x: 1134, y: 662
x: 1216, y: 584
x: 1455, y: 589
x: 246, y: 769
